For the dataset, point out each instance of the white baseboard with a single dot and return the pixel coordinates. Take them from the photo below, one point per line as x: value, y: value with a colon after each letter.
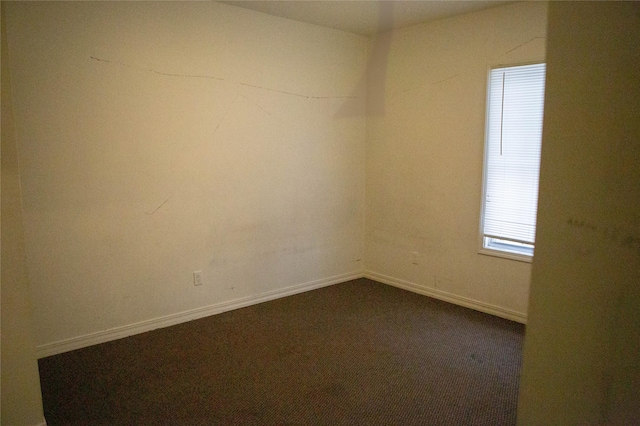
x: 79, y: 342
x: 449, y: 297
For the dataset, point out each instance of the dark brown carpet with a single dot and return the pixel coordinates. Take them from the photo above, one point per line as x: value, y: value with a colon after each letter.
x: 357, y: 353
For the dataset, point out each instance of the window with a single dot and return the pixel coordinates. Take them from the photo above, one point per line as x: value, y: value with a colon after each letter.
x: 512, y: 160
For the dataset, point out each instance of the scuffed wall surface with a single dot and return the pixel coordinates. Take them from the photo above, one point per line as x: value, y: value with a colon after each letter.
x: 425, y: 152
x: 156, y: 139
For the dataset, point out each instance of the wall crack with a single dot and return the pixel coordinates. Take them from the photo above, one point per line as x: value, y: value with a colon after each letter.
x: 445, y: 79
x: 167, y: 74
x: 160, y: 206
x: 520, y: 45
x: 211, y: 77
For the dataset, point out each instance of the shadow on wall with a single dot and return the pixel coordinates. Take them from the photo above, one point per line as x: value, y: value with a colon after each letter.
x: 375, y: 73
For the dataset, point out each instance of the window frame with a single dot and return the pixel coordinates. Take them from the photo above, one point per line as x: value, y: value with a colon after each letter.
x: 482, y: 248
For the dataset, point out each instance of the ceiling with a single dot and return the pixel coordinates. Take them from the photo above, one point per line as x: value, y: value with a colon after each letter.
x: 365, y: 17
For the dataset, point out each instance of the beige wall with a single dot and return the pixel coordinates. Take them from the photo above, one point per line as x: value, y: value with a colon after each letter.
x: 157, y: 139
x: 582, y: 349
x: 425, y: 148
x: 21, y: 401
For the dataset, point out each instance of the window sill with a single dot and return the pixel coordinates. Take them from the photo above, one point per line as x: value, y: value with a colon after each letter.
x: 506, y: 255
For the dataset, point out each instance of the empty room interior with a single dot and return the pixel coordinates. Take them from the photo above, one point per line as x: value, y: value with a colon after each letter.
x: 168, y: 162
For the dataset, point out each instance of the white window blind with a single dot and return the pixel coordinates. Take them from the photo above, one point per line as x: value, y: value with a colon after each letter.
x: 514, y: 135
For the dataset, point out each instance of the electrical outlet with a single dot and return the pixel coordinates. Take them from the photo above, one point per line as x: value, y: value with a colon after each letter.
x: 414, y: 258
x: 197, y: 278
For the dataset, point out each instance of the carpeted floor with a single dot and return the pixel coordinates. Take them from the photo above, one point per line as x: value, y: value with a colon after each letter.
x: 357, y: 353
